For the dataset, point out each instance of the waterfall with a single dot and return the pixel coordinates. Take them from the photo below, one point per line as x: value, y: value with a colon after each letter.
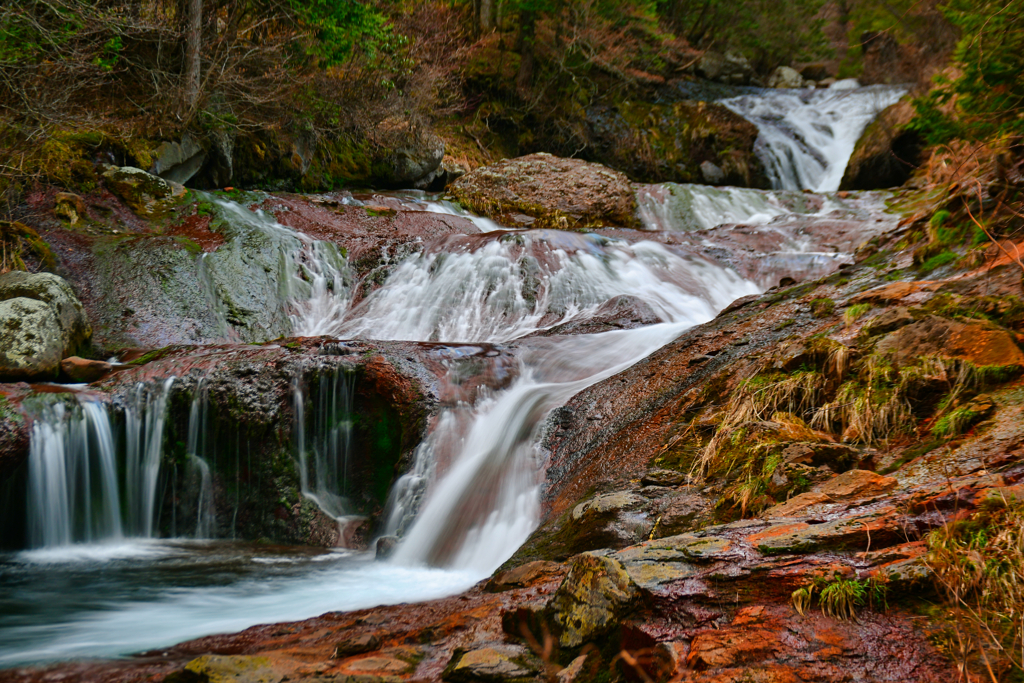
x: 79, y: 489
x: 323, y: 456
x: 206, y: 515
x: 806, y: 137
x: 474, y: 512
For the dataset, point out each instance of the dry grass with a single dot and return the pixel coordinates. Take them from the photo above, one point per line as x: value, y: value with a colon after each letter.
x: 979, y: 567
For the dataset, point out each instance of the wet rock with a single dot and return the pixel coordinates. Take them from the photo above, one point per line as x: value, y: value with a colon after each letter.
x: 837, y: 457
x: 490, y: 665
x: 716, y: 650
x: 619, y: 313
x: 559, y: 193
x: 178, y: 161
x: 606, y: 521
x: 786, y: 77
x: 386, y: 546
x: 149, y: 196
x: 728, y: 68
x: 524, y: 576
x: 888, y: 321
x: 14, y: 439
x: 856, y: 532
x: 412, y: 156
x: 30, y: 340
x: 56, y: 293
x: 83, y: 370
x: 683, y: 512
x: 886, y: 153
x: 231, y: 669
x: 663, y: 478
x: 69, y: 206
x: 683, y: 142
x: 357, y: 645
x: 591, y: 601
x: 979, y: 342
x: 394, y: 661
x: 857, y: 484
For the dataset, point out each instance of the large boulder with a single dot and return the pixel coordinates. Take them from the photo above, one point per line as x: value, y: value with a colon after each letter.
x: 728, y: 68
x: 685, y: 142
x: 178, y: 161
x: 56, y: 293
x: 149, y: 196
x: 886, y: 152
x: 559, y: 193
x: 30, y: 340
x: 411, y: 156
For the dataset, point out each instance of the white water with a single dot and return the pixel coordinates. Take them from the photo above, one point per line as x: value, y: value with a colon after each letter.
x: 75, y: 489
x: 324, y: 447
x: 472, y: 496
x: 807, y: 136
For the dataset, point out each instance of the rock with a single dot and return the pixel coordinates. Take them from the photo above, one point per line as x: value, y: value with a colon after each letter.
x: 178, y: 161
x: 857, y: 484
x: 729, y: 68
x: 524, y: 576
x: 149, y: 196
x: 559, y: 193
x: 489, y: 664
x: 385, y: 546
x: 232, y: 669
x: 837, y: 457
x: 14, y: 439
x: 684, y: 142
x: 357, y: 645
x: 412, y: 155
x: 619, y: 313
x: 815, y: 72
x: 890, y: 320
x: 69, y: 206
x: 663, y: 478
x: 980, y: 343
x: 56, y: 293
x: 683, y: 512
x: 30, y: 341
x: 712, y: 174
x: 605, y: 521
x: 574, y: 672
x: 785, y: 77
x: 592, y: 600
x: 82, y: 370
x: 875, y: 529
x: 886, y: 152
x: 718, y: 649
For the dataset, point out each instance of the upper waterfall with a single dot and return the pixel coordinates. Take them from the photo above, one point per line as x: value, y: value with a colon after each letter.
x: 807, y: 136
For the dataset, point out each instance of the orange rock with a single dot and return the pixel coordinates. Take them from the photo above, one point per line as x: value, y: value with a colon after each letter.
x: 856, y: 484
x: 719, y: 649
x: 82, y: 370
x: 981, y: 343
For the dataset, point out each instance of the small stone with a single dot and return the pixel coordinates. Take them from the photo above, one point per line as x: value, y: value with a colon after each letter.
x: 82, y: 370
x: 488, y: 664
x: 786, y: 77
x: 149, y: 196
x: 889, y: 321
x: 357, y: 645
x: 523, y: 576
x: 70, y: 206
x: 663, y: 478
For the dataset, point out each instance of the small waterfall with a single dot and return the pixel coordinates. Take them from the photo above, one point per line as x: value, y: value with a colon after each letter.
x: 313, y: 277
x: 80, y: 491
x: 518, y: 284
x: 472, y: 496
x: 198, y: 430
x: 73, y: 489
x: 323, y: 450
x: 807, y: 136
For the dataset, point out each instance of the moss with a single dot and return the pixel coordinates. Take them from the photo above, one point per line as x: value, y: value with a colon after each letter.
x: 855, y: 312
x: 937, y: 261
x: 822, y: 308
x: 954, y: 423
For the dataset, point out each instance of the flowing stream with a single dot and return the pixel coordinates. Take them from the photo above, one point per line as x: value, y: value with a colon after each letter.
x: 472, y: 495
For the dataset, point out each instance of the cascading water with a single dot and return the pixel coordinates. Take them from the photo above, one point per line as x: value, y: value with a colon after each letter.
x: 807, y: 136
x: 471, y: 497
x: 323, y: 455
x: 75, y: 490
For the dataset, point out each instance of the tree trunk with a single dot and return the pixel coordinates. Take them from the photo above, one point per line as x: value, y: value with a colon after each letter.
x: 193, y: 43
x: 487, y: 15
x: 527, y: 32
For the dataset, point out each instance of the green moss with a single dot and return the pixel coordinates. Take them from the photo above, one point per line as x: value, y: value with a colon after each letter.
x: 954, y: 423
x: 822, y: 308
x: 855, y: 312
x: 937, y: 261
